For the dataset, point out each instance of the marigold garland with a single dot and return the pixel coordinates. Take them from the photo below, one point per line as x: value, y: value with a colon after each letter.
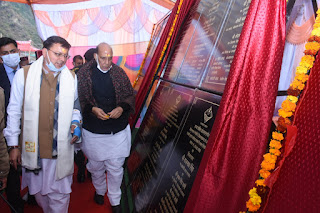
x: 286, y: 111
x: 169, y: 37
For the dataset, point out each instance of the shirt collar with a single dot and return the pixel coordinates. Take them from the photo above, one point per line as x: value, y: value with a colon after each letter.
x: 10, y: 69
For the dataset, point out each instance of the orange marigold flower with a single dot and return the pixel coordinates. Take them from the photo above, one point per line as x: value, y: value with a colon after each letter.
x: 302, y: 70
x: 307, y: 61
x: 296, y: 84
x: 275, y: 152
x: 256, y: 200
x: 251, y: 207
x: 267, y: 165
x: 264, y: 173
x: 314, y: 46
x: 284, y: 113
x: 260, y: 182
x: 302, y: 77
x: 277, y: 136
x: 288, y: 106
x: 316, y: 32
x: 270, y: 158
x: 293, y: 99
x: 275, y: 144
x: 310, y: 52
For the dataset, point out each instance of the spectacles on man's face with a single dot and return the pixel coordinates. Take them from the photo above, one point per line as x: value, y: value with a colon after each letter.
x: 58, y: 55
x: 10, y: 52
x: 109, y: 58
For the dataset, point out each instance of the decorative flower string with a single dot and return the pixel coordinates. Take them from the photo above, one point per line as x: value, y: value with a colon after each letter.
x: 144, y: 59
x: 286, y: 112
x: 169, y: 37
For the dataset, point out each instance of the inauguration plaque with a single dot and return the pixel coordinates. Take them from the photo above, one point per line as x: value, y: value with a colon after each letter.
x: 181, y: 48
x: 147, y: 175
x: 153, y: 46
x: 176, y: 183
x: 221, y: 60
x: 202, y: 42
x: 168, y: 148
x: 149, y: 127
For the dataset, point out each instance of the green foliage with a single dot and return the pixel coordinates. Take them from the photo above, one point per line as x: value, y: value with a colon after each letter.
x: 17, y: 22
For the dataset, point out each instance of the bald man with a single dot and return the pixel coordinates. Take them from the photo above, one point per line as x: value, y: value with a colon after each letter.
x: 106, y: 98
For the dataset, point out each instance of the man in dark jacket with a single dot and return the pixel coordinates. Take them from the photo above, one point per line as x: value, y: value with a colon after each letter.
x: 106, y: 98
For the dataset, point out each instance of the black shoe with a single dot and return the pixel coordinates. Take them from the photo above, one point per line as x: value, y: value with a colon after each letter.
x: 99, y: 199
x: 116, y: 209
x: 89, y: 174
x: 32, y: 200
x: 81, y: 177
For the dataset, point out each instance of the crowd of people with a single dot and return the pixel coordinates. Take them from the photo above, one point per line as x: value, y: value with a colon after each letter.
x: 51, y: 117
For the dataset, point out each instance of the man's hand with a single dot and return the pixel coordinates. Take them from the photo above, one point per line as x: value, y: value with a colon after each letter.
x: 15, y: 157
x: 74, y: 138
x: 116, y: 112
x: 4, y: 183
x: 99, y: 113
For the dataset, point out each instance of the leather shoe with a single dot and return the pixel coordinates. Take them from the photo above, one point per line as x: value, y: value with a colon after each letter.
x: 116, y: 209
x: 81, y: 177
x: 99, y: 199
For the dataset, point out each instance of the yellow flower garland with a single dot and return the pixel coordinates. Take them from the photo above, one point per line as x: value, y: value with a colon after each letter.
x: 285, y: 112
x: 169, y: 37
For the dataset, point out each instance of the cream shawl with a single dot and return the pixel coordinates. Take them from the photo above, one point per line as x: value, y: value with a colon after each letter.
x: 31, y: 120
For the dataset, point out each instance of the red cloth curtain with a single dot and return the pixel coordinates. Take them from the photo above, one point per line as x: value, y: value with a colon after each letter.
x: 298, y: 183
x: 184, y: 11
x: 240, y: 133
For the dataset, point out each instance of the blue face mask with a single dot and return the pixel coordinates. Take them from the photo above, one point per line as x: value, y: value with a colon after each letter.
x: 52, y: 67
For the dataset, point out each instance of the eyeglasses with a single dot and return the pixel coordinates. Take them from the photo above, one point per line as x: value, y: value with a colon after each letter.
x: 106, y: 58
x: 10, y: 52
x: 60, y: 54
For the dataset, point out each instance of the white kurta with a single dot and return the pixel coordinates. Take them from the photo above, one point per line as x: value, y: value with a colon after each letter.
x: 101, y: 147
x: 45, y: 181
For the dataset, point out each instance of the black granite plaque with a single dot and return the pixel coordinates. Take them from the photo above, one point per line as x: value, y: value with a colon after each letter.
x: 146, y: 176
x: 223, y: 54
x: 150, y: 126
x: 203, y: 41
x: 171, y: 72
x: 180, y: 172
x: 153, y: 46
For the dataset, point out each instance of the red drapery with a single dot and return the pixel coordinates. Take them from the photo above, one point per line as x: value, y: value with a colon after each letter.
x: 298, y: 183
x: 184, y: 11
x: 239, y: 136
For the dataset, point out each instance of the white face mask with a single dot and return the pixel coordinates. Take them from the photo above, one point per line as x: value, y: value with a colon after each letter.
x: 11, y: 60
x: 51, y: 66
x: 98, y: 66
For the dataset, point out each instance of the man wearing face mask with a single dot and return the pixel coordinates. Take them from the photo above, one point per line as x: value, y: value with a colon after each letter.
x: 106, y: 98
x: 44, y: 97
x: 9, y: 54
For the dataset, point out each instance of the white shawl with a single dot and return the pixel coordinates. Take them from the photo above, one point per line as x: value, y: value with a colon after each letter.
x: 31, y: 120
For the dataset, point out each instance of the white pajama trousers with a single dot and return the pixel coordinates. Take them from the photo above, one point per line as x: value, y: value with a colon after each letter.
x: 114, y: 177
x: 53, y: 202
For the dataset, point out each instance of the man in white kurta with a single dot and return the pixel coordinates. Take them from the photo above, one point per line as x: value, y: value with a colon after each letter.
x: 106, y: 98
x: 44, y: 96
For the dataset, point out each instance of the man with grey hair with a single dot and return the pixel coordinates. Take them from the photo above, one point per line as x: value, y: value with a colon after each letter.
x: 107, y: 99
